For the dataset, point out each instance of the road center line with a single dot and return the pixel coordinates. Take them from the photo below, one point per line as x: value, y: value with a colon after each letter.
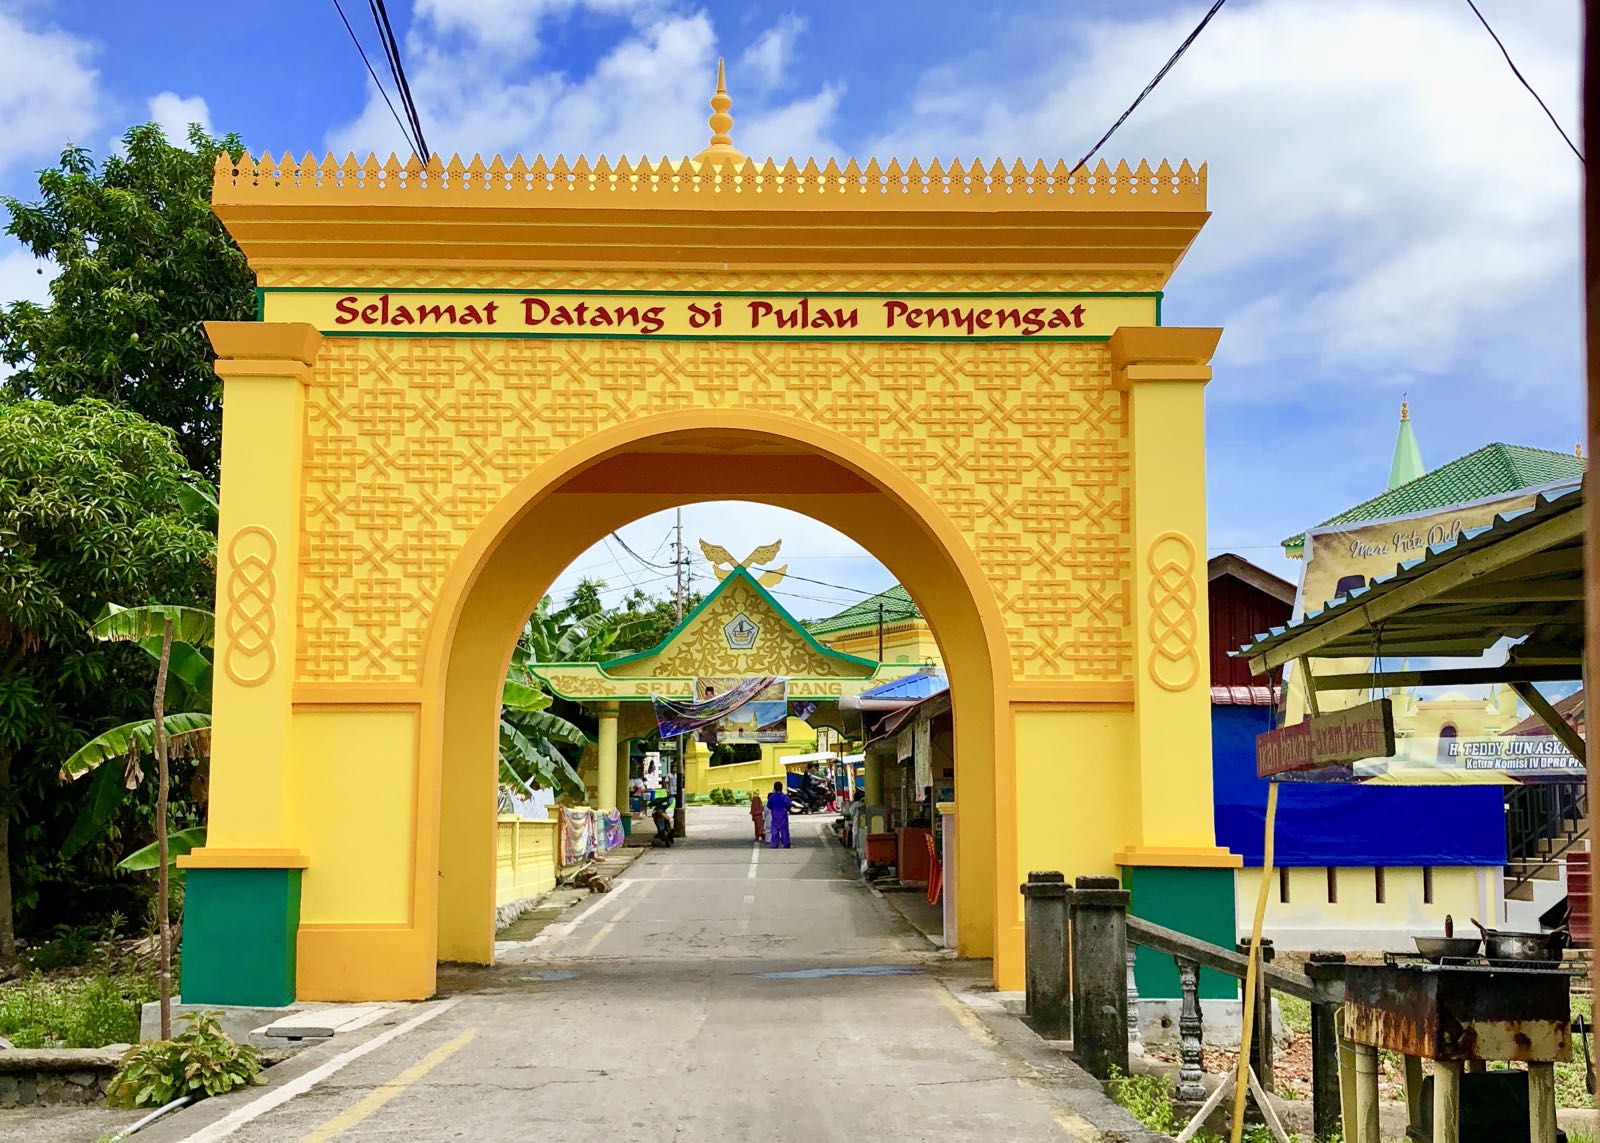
x: 301, y: 1084
x: 381, y: 1095
x: 755, y: 857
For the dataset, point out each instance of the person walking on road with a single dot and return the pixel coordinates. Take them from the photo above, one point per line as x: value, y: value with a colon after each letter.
x: 778, y: 803
x: 758, y: 816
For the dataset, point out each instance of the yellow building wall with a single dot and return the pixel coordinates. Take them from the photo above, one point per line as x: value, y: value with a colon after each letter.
x: 1309, y: 921
x: 746, y: 777
x: 903, y: 643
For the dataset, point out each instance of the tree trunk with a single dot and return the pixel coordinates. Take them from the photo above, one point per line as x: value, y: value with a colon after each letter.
x: 8, y: 938
x: 162, y: 776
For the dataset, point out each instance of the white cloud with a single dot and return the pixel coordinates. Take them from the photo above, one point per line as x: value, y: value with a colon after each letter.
x: 24, y: 277
x: 49, y: 91
x: 173, y: 113
x: 1376, y: 173
x: 766, y: 62
x: 649, y: 94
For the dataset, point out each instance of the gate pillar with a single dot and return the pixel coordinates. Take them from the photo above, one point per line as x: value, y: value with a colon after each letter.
x: 1178, y: 875
x: 242, y: 911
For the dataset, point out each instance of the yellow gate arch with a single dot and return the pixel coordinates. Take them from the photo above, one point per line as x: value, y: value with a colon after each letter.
x: 466, y: 373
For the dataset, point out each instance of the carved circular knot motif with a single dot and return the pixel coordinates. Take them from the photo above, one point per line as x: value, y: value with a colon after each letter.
x: 250, y: 592
x: 1172, y: 594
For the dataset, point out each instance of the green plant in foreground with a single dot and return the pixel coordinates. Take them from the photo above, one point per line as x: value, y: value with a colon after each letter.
x: 199, y: 1061
x: 1147, y: 1098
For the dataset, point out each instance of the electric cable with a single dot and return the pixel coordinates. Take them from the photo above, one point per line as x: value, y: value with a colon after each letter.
x: 391, y: 48
x: 1151, y: 86
x: 362, y: 52
x: 1523, y: 80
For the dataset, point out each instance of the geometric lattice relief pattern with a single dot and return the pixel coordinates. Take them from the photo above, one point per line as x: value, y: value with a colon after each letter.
x: 411, y: 441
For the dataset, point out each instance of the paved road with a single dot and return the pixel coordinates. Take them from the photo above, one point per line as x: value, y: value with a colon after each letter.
x: 719, y: 992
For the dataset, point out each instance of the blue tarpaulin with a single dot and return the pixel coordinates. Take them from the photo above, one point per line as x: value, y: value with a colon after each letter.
x: 1346, y: 823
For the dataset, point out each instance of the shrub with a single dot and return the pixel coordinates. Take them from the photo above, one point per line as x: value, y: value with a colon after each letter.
x: 199, y: 1061
x: 1147, y: 1098
x: 87, y: 1012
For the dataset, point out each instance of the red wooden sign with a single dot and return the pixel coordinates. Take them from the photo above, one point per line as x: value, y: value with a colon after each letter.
x: 1340, y: 736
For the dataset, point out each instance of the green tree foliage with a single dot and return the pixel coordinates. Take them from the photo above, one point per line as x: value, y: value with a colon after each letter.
x: 142, y: 263
x: 91, y: 510
x: 650, y: 619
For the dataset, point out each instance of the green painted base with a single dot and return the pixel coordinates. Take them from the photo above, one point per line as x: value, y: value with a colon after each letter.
x: 1198, y: 902
x: 239, y: 931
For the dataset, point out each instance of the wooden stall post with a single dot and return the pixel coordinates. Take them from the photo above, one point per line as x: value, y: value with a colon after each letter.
x: 1100, y: 990
x: 1326, y: 971
x: 1446, y: 1101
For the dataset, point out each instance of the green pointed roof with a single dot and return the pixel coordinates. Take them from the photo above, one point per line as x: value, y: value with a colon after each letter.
x: 741, y: 575
x: 1407, y: 463
x: 897, y: 607
x: 1492, y: 470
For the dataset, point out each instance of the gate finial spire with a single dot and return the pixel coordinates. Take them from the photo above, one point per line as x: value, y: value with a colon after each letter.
x: 721, y: 149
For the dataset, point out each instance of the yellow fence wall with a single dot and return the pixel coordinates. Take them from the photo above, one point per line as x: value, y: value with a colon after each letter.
x: 525, y: 859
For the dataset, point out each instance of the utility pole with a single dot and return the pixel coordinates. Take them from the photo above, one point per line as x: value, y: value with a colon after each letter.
x: 880, y: 632
x: 678, y: 561
x: 680, y: 813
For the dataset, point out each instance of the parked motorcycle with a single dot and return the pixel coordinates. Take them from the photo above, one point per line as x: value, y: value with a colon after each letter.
x: 812, y: 797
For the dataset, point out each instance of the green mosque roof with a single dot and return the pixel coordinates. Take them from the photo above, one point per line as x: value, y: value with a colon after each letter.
x: 1492, y: 470
x: 897, y: 607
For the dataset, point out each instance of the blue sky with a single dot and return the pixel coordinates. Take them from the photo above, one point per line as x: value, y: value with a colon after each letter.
x: 1392, y: 214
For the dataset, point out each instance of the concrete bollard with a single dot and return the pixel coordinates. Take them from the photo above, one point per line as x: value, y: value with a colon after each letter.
x: 1100, y: 984
x: 1046, y: 959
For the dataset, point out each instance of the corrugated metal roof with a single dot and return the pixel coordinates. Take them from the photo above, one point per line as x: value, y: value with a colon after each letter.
x: 1505, y: 525
x: 909, y: 688
x: 1493, y: 470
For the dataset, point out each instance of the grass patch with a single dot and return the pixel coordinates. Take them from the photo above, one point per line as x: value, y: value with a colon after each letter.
x: 87, y: 1011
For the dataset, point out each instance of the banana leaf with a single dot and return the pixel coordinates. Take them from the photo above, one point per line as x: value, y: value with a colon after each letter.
x: 538, y: 760
x: 192, y: 625
x: 106, y: 793
x: 178, y: 844
x: 188, y: 736
x: 523, y: 697
x: 189, y: 665
x: 547, y: 725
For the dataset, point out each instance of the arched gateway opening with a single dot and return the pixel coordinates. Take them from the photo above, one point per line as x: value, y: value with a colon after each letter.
x: 464, y: 375
x: 665, y: 461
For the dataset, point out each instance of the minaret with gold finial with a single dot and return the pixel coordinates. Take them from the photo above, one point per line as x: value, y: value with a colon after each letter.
x: 1407, y: 463
x: 721, y: 149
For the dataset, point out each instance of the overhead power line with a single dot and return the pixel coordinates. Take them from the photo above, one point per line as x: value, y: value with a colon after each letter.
x: 1523, y: 80
x: 1151, y: 86
x: 397, y: 67
x: 356, y: 40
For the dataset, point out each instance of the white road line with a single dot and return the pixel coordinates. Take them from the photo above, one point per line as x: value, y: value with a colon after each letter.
x: 755, y: 857
x: 301, y: 1084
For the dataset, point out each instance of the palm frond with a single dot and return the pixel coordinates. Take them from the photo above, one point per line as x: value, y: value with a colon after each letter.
x: 188, y: 736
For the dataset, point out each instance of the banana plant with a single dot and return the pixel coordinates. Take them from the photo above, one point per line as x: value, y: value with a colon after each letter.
x: 188, y: 732
x: 528, y: 736
x: 161, y: 625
